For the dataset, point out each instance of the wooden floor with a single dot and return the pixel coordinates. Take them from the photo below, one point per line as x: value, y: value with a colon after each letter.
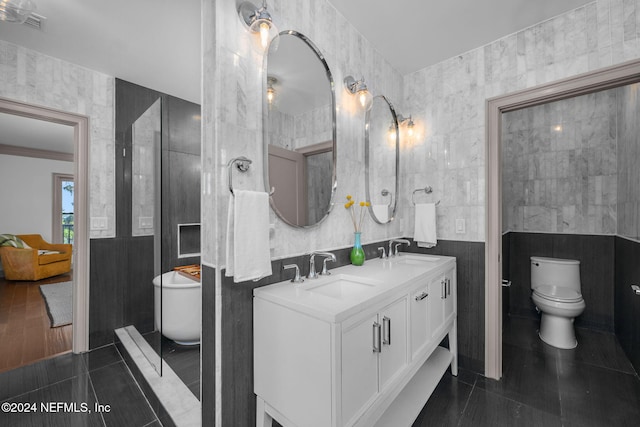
x: 26, y: 334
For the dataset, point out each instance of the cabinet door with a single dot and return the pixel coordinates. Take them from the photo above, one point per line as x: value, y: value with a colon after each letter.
x: 420, y: 332
x: 393, y: 357
x: 360, y: 365
x: 436, y: 299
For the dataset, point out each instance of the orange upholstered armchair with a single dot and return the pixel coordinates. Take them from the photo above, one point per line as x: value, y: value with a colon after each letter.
x: 32, y: 263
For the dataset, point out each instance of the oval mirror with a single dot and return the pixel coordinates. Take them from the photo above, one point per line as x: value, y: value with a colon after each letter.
x: 381, y: 155
x: 299, y: 131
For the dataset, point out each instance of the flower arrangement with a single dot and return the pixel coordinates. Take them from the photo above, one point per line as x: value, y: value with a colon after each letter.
x: 356, y: 218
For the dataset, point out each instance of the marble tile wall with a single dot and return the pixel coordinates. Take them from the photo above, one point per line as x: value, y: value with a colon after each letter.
x: 560, y: 166
x: 31, y: 77
x: 628, y: 159
x: 233, y: 119
x: 447, y: 101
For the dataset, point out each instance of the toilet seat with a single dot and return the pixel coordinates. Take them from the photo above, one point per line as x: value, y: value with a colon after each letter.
x: 556, y: 294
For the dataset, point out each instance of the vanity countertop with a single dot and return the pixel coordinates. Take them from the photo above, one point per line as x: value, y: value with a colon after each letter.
x: 351, y: 289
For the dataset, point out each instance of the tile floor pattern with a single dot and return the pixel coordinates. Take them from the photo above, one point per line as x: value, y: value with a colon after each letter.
x: 591, y: 385
x: 99, y: 376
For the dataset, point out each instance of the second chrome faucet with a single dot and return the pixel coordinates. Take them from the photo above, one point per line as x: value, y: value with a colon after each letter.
x: 328, y: 256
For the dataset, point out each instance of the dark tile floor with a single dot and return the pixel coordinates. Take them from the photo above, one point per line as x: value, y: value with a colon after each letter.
x: 79, y: 381
x: 591, y: 385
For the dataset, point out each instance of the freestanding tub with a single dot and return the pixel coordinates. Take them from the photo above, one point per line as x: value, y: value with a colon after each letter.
x: 181, y: 307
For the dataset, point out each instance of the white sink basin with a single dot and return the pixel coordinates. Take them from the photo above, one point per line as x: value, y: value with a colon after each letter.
x: 341, y: 286
x: 411, y: 259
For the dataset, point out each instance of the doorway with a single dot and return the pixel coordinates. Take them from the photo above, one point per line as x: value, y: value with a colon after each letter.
x: 605, y: 78
x: 80, y: 254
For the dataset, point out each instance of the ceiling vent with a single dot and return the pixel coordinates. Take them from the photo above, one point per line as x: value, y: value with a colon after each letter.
x: 34, y: 20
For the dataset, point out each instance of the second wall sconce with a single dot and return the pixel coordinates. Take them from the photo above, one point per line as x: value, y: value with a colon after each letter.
x: 409, y: 123
x: 359, y: 88
x: 257, y: 20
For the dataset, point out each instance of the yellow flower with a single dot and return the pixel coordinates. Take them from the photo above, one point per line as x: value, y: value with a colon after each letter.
x: 348, y: 197
x: 347, y: 205
x: 368, y: 203
x: 362, y: 204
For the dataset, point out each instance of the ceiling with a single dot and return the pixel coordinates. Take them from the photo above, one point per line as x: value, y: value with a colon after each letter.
x: 156, y: 43
x: 413, y: 34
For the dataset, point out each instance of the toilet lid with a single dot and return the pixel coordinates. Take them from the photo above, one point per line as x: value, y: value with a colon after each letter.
x: 555, y: 293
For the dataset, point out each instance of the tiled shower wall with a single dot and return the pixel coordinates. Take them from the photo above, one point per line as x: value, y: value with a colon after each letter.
x: 31, y: 77
x: 559, y: 166
x: 448, y: 101
x: 628, y: 160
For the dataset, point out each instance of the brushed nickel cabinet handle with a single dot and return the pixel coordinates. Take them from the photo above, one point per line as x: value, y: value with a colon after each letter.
x: 376, y: 337
x: 421, y: 296
x: 386, y: 328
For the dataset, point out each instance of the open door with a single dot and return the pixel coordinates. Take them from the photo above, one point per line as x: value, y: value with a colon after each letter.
x: 287, y: 174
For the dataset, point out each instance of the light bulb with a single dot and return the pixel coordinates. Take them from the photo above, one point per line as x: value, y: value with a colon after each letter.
x: 264, y: 34
x: 410, y: 130
x: 270, y: 94
x: 365, y: 98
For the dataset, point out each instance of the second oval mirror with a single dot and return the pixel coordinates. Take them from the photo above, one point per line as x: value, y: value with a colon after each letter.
x: 381, y: 153
x: 299, y: 131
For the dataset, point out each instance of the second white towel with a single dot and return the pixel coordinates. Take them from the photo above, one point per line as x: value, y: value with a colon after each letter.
x: 425, y: 225
x: 248, y: 253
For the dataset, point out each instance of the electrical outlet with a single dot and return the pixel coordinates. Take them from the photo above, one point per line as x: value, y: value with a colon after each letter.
x: 460, y: 226
x: 99, y: 223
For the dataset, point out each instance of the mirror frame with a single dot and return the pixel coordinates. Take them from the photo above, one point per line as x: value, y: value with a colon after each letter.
x: 265, y: 127
x: 367, y: 146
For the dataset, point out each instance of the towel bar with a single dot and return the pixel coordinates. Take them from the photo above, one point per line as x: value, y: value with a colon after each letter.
x: 427, y: 190
x: 242, y: 164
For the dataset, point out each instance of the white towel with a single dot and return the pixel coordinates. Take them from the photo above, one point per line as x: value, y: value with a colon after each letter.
x: 425, y: 225
x: 248, y: 253
x: 381, y: 212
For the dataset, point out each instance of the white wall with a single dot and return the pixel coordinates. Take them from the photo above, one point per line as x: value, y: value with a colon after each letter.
x: 31, y: 77
x: 448, y: 100
x: 26, y: 194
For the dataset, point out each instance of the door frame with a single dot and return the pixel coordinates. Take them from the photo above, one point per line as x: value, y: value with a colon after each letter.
x: 80, y: 126
x: 582, y: 84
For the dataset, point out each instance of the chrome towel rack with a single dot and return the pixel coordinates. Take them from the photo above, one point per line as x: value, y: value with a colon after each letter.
x: 242, y: 164
x: 426, y: 190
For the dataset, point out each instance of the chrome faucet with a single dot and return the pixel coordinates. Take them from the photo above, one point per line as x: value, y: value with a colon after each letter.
x: 312, y: 264
x: 383, y: 254
x: 393, y: 252
x: 296, y: 278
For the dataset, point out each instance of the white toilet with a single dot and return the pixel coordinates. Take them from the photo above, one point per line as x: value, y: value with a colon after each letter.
x: 556, y: 292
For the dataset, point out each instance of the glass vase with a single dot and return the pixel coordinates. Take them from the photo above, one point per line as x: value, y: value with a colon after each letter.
x: 357, y: 253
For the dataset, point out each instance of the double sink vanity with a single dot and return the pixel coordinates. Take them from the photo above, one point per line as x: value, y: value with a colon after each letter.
x: 358, y: 347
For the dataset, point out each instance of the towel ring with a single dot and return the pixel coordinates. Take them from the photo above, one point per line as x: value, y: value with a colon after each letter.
x: 242, y: 164
x: 427, y: 190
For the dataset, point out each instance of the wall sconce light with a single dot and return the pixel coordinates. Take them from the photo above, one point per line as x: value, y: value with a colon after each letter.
x: 271, y: 92
x: 16, y: 10
x: 409, y: 123
x: 257, y: 20
x: 359, y: 88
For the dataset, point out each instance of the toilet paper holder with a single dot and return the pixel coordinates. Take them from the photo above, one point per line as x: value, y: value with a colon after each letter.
x: 636, y: 289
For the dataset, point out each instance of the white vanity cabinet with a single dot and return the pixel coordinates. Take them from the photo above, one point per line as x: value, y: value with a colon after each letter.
x: 365, y: 359
x: 374, y: 351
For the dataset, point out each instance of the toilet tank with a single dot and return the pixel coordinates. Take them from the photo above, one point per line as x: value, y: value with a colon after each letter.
x: 562, y: 273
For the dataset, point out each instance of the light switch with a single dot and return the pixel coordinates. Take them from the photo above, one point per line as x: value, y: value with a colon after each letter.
x: 145, y: 222
x: 99, y: 222
x: 460, y: 226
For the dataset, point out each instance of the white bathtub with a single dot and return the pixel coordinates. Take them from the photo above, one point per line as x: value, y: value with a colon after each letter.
x: 181, y: 307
